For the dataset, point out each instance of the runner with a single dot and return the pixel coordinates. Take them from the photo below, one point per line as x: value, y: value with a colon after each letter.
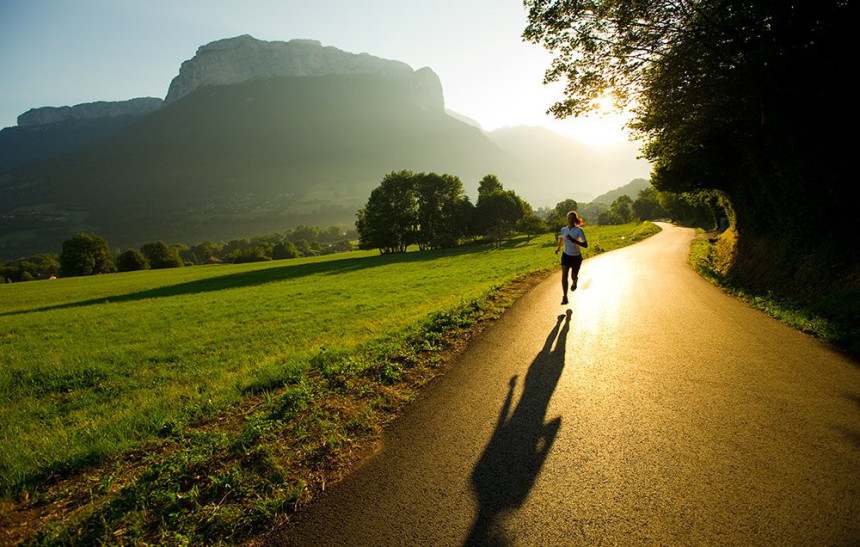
x: 572, y: 237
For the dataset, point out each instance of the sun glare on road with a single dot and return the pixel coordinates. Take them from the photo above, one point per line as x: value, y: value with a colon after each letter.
x: 597, y: 301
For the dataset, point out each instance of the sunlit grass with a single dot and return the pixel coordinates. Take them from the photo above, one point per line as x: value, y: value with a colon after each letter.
x: 90, y: 367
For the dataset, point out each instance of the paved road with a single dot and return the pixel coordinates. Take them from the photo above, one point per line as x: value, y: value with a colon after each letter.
x: 657, y: 410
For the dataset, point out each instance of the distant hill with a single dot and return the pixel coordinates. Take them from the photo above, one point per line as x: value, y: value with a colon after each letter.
x: 632, y: 190
x: 565, y: 168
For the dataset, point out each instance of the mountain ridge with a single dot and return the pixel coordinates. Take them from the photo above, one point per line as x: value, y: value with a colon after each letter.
x: 244, y: 58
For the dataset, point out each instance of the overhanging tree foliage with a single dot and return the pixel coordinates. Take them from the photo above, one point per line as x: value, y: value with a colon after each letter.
x: 744, y: 97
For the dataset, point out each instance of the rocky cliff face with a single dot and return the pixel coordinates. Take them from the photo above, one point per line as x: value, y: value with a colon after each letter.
x: 244, y: 58
x: 101, y: 109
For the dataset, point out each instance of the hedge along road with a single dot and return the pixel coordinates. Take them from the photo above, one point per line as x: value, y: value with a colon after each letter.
x: 652, y: 409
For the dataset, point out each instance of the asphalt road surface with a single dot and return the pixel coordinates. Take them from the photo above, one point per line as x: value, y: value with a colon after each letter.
x: 652, y: 410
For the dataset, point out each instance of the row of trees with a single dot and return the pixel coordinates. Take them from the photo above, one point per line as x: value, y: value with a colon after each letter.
x: 432, y: 211
x: 88, y: 254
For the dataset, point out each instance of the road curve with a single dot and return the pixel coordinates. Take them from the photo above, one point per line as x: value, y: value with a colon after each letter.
x: 653, y: 409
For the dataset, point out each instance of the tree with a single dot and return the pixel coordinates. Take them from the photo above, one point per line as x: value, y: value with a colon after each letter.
x: 499, y: 212
x: 38, y: 266
x: 254, y: 253
x: 206, y: 251
x: 489, y: 185
x: 333, y: 234
x: 736, y: 96
x: 590, y: 212
x: 531, y: 224
x: 184, y: 253
x: 308, y: 233
x: 558, y: 215
x: 703, y: 209
x: 619, y: 212
x: 562, y: 208
x: 622, y: 208
x: 465, y: 219
x: 647, y: 205
x: 437, y: 196
x: 389, y: 220
x: 286, y: 249
x: 161, y: 255
x: 342, y: 246
x: 86, y: 254
x: 131, y: 260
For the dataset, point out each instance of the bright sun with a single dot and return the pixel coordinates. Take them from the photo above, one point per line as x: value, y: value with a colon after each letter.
x: 599, y: 130
x: 605, y: 105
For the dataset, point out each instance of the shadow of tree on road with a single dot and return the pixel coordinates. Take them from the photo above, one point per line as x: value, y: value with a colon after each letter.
x: 512, y: 460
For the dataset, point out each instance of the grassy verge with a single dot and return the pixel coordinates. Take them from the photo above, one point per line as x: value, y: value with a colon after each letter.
x: 832, y: 318
x: 201, y: 404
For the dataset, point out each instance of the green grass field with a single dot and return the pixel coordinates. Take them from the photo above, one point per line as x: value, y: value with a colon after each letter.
x: 92, y: 367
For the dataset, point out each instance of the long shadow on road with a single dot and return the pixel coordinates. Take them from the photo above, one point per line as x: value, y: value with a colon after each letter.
x: 512, y: 460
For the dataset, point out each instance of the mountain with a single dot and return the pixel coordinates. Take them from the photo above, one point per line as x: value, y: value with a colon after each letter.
x: 228, y: 161
x: 631, y: 189
x: 253, y: 137
x: 243, y: 58
x: 89, y: 111
x: 25, y: 145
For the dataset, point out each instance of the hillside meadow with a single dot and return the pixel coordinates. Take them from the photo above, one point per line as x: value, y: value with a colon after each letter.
x: 150, y: 363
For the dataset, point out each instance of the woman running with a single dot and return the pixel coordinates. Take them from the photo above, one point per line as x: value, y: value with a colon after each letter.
x: 572, y: 237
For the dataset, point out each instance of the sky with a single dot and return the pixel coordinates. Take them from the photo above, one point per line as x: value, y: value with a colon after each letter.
x: 67, y: 52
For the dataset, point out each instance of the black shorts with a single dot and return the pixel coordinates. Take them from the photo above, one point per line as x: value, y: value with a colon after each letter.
x: 573, y: 262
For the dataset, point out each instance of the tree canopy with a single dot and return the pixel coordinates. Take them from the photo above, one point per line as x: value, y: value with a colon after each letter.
x: 389, y: 220
x: 742, y: 97
x: 433, y: 211
x: 498, y: 211
x: 161, y: 255
x: 86, y: 254
x: 131, y: 260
